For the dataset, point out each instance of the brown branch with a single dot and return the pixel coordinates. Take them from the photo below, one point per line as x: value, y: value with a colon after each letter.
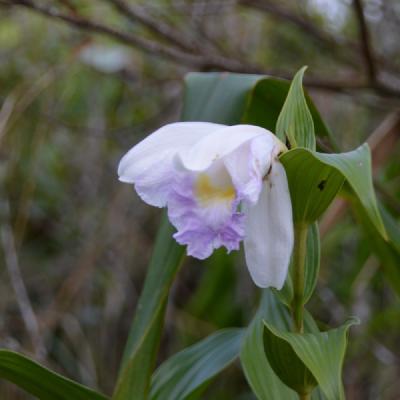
x: 69, y: 6
x: 365, y: 41
x: 344, y: 48
x: 283, y: 13
x: 139, y: 14
x: 201, y: 62
x: 323, y: 37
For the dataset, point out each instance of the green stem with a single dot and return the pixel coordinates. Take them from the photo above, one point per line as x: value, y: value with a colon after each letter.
x: 299, y: 257
x: 305, y: 396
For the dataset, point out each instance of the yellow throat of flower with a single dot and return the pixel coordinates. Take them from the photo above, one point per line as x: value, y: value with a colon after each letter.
x: 206, y: 192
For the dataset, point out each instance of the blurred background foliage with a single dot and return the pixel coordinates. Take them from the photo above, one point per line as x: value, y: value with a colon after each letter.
x: 82, y: 81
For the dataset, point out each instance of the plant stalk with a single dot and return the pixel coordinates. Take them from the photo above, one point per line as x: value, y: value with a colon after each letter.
x: 299, y: 258
x: 305, y: 396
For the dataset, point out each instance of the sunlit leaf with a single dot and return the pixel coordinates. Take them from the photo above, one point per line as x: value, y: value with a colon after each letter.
x: 190, y: 369
x: 295, y: 121
x: 40, y: 381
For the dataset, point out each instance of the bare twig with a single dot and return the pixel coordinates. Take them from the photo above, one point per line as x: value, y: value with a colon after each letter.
x: 20, y: 99
x: 278, y: 10
x: 344, y: 48
x: 75, y: 282
x: 24, y: 304
x: 202, y: 62
x: 139, y: 14
x: 281, y: 12
x: 365, y: 41
x: 69, y: 6
x: 6, y: 112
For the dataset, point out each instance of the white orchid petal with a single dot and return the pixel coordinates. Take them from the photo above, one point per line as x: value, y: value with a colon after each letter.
x: 149, y: 164
x: 269, y: 234
x: 249, y: 163
x: 218, y: 144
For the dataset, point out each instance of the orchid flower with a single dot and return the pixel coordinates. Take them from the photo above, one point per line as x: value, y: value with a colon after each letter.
x: 221, y: 185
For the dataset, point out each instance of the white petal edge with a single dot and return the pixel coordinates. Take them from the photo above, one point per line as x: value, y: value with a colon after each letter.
x: 269, y: 235
x: 149, y: 164
x: 249, y: 163
x: 168, y: 139
x: 218, y: 144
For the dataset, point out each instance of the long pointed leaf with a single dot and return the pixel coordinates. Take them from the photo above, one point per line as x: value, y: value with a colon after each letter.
x: 355, y: 166
x: 190, y: 369
x: 295, y: 120
x: 322, y: 353
x: 217, y: 97
x: 259, y: 374
x: 315, y: 178
x: 142, y: 345
x: 230, y: 99
x: 40, y: 381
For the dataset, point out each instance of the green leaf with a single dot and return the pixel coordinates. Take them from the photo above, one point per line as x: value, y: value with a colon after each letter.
x: 281, y: 358
x: 322, y: 354
x: 230, y: 99
x: 40, y: 381
x: 355, y: 166
x: 216, y: 97
x: 312, y: 184
x: 311, y: 269
x: 258, y: 371
x: 315, y: 178
x: 287, y: 365
x: 259, y: 374
x: 144, y: 337
x: 265, y: 102
x: 214, y: 298
x: 295, y: 121
x: 190, y: 369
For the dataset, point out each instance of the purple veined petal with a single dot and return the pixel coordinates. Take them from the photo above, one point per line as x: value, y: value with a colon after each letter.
x: 269, y: 235
x: 202, y: 206
x: 149, y: 164
x: 216, y: 145
x: 249, y: 163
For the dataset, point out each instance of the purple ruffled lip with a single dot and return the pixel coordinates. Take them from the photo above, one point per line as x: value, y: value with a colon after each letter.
x: 196, y: 227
